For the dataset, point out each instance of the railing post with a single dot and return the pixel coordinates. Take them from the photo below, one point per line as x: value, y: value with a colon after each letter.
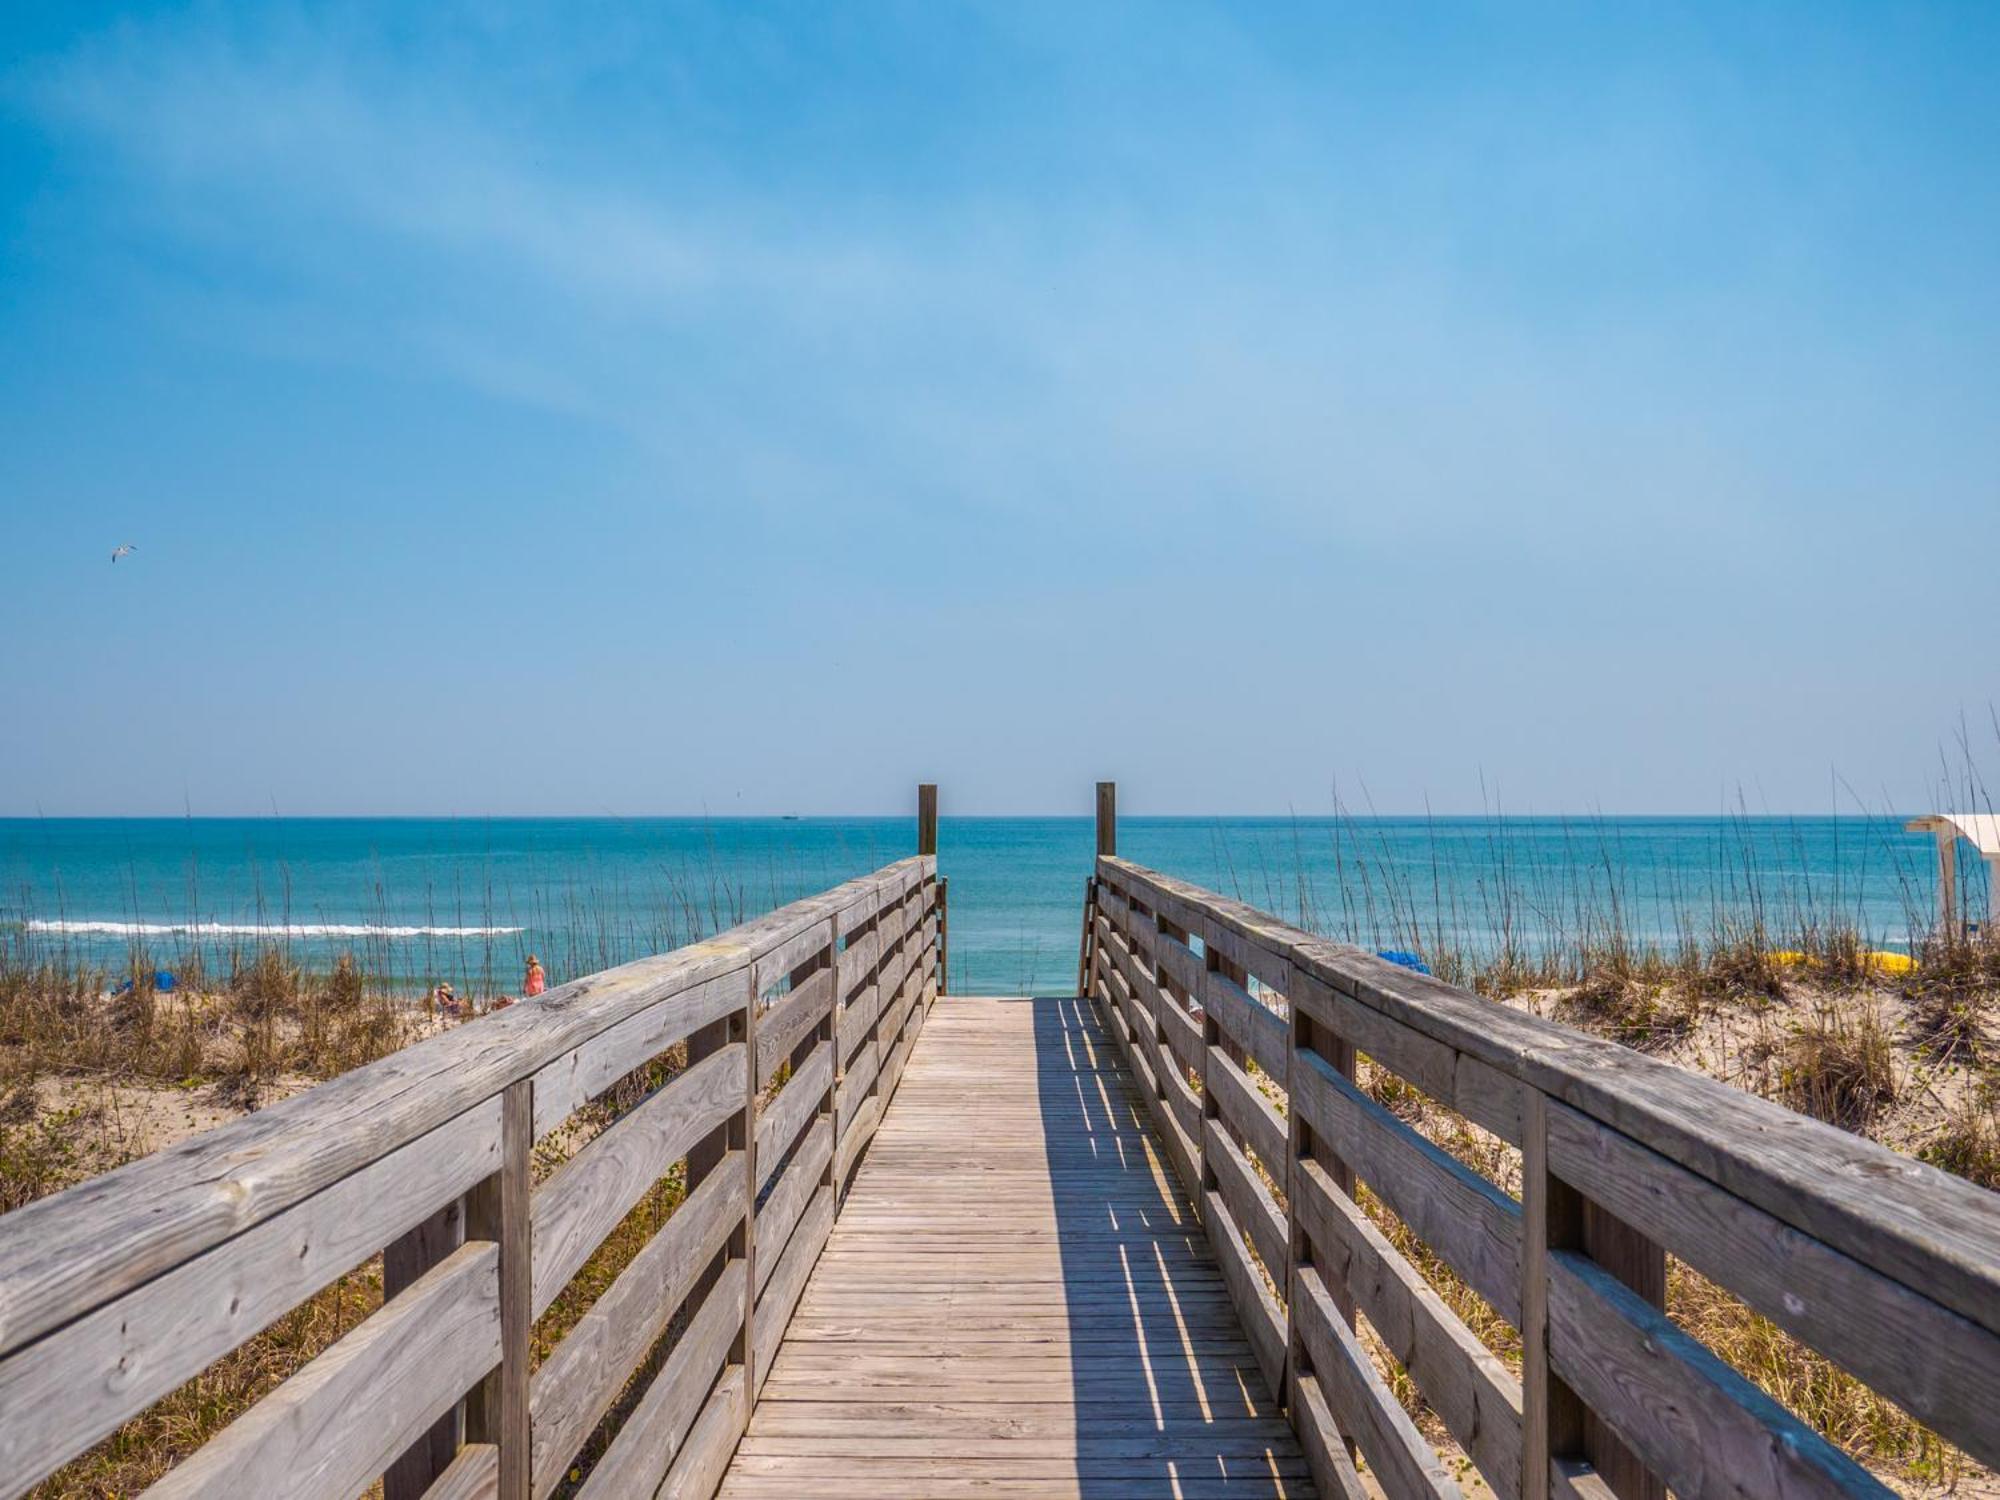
x: 1308, y: 1036
x: 1556, y: 1427
x: 746, y: 1129
x: 1107, y: 818
x: 1086, y: 978
x: 403, y: 1261
x: 498, y: 1209
x: 944, y: 935
x: 927, y: 827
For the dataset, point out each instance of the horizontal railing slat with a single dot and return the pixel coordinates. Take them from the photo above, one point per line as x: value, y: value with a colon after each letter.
x: 779, y: 1214
x: 786, y: 1284
x: 336, y: 1424
x: 1262, y: 1318
x: 1702, y: 1428
x: 583, y: 1202
x: 661, y: 1425
x: 1252, y: 1025
x: 1944, y: 1369
x: 1361, y: 1402
x: 1243, y: 1104
x: 704, y: 1456
x: 72, y: 1387
x: 1902, y: 1217
x: 577, y: 1384
x: 789, y: 1020
x: 1250, y: 1205
x: 1468, y: 1387
x: 786, y: 1115
x: 473, y: 1475
x: 1473, y: 1226
x: 589, y: 1070
x: 68, y: 1253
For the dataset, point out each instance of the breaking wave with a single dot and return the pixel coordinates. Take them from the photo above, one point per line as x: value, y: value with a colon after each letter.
x: 95, y: 928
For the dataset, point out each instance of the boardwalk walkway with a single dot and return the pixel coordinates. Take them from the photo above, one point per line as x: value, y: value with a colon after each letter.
x: 1016, y: 1299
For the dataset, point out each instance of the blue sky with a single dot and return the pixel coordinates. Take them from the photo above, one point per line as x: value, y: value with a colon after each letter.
x: 756, y: 408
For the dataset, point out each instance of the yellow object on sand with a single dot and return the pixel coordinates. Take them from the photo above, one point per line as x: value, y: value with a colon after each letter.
x: 1876, y: 961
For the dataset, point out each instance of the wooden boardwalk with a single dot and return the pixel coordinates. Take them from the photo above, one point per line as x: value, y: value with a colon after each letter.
x: 1016, y: 1299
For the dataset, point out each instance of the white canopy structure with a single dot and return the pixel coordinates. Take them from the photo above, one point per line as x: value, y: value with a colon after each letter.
x: 1982, y: 830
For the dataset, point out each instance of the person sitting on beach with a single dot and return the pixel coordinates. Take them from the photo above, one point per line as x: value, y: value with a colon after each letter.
x: 445, y: 998
x: 534, y: 982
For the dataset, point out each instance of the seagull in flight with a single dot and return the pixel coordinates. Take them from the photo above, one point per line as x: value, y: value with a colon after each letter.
x: 118, y: 552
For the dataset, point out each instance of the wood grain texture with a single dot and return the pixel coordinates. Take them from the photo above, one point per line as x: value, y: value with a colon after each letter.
x: 1472, y: 1392
x: 588, y: 1195
x: 335, y: 1425
x: 1694, y: 1422
x: 1473, y: 1226
x: 789, y: 1019
x: 404, y: 1261
x: 1016, y: 1297
x: 66, y: 1391
x: 779, y: 1214
x: 660, y: 1425
x: 1944, y: 1369
x: 69, y: 1253
x: 576, y: 1385
x: 1909, y: 1221
x: 1362, y: 1404
x: 474, y: 1474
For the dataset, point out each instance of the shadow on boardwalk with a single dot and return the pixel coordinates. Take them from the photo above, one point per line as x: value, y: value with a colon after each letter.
x: 1168, y: 1397
x: 1015, y: 1300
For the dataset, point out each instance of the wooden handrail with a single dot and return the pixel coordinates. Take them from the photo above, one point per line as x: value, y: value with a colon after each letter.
x: 117, y: 1291
x: 1243, y: 1032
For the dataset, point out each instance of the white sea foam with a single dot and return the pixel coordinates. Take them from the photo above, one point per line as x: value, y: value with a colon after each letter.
x: 95, y: 928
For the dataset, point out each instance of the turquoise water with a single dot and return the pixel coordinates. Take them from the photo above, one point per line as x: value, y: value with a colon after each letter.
x: 468, y: 899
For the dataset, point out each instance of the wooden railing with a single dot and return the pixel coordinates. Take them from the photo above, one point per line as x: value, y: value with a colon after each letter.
x: 1243, y: 1033
x: 797, y: 1026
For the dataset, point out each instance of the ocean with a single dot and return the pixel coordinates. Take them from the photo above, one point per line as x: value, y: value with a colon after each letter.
x: 467, y: 899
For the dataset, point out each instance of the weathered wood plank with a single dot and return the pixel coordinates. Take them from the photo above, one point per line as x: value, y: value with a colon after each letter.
x: 1247, y: 1110
x: 1480, y: 1093
x: 474, y: 1474
x: 74, y: 1251
x: 65, y: 1392
x: 578, y: 1382
x: 1263, y: 1320
x: 1473, y: 1226
x: 1362, y: 1404
x: 1247, y: 1021
x: 795, y: 1105
x: 781, y: 1294
x: 1470, y: 1390
x: 792, y: 953
x: 335, y: 1425
x: 1943, y: 1369
x: 589, y: 1070
x: 1324, y: 1443
x: 779, y: 1214
x: 404, y: 1261
x: 660, y: 1426
x: 789, y: 1020
x: 1900, y: 1217
x: 583, y: 1202
x: 1697, y: 1424
x: 698, y: 1467
x: 1250, y: 1205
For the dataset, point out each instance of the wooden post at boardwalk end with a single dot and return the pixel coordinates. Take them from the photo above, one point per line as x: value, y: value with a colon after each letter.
x: 927, y: 817
x: 1107, y: 818
x: 927, y: 835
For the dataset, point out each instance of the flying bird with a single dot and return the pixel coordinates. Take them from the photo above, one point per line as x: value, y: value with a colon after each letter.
x: 118, y: 552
